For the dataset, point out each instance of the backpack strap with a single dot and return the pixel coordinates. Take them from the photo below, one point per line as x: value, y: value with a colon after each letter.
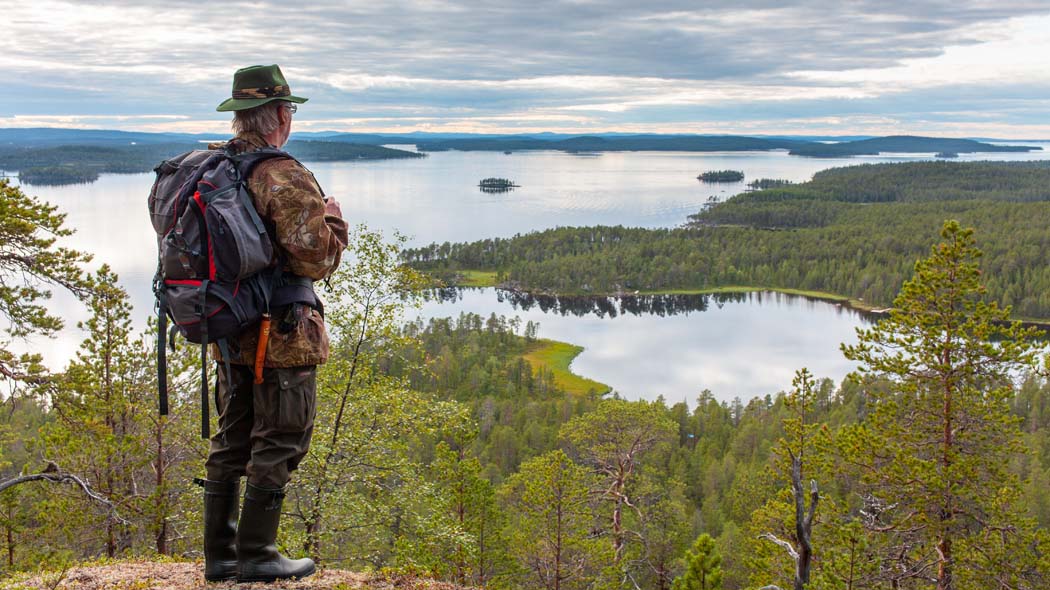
x: 205, y: 418
x: 162, y: 351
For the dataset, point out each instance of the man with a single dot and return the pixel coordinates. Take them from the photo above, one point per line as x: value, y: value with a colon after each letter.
x: 264, y: 429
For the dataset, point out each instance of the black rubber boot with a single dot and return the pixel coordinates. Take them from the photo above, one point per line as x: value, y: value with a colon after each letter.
x: 257, y: 557
x: 220, y: 528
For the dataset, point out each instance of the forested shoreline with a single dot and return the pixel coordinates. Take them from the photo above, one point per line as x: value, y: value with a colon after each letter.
x: 82, y: 163
x: 854, y: 232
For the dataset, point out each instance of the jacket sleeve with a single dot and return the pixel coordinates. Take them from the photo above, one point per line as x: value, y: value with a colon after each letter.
x: 287, y: 194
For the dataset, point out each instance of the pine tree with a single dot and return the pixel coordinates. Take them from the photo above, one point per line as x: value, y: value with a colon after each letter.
x: 703, y: 567
x: 106, y: 429
x: 29, y: 261
x: 463, y: 540
x: 613, y: 439
x: 932, y: 457
x: 551, y: 522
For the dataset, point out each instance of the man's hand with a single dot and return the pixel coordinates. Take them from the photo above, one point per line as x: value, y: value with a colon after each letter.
x: 331, y: 207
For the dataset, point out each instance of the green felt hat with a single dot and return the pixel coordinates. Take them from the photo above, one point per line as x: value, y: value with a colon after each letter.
x: 256, y: 85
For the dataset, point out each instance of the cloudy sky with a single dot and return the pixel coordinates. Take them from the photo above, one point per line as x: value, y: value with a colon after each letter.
x: 951, y: 67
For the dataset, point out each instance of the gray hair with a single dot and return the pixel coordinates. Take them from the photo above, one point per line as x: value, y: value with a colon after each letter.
x: 261, y: 119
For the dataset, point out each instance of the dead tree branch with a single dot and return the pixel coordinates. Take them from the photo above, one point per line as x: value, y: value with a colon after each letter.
x: 54, y: 474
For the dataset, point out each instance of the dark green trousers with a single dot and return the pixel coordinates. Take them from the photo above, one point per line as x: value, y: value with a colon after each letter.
x: 264, y: 430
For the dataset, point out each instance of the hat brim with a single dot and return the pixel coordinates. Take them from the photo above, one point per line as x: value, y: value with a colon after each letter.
x: 239, y: 104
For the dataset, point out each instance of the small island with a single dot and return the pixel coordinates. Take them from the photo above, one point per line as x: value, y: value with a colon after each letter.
x: 721, y: 176
x: 496, y: 185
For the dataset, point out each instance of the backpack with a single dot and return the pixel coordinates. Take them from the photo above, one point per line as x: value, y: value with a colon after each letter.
x: 215, y: 272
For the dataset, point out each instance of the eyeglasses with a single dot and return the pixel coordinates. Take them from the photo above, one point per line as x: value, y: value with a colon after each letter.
x: 292, y: 107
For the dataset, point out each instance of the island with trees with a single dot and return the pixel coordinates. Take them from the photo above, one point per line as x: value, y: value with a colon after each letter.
x: 721, y: 176
x: 496, y: 185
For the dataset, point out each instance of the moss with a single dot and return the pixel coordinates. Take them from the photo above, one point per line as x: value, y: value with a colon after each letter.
x: 556, y: 357
x: 476, y: 278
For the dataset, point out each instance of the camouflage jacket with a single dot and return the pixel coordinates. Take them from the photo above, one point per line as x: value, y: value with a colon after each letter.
x: 289, y: 200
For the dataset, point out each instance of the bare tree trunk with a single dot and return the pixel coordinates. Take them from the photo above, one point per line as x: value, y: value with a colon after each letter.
x: 944, y: 544
x: 803, y: 523
x: 803, y: 555
x: 557, y: 551
x: 10, y: 548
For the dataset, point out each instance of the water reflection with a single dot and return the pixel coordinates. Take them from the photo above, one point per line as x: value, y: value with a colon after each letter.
x: 661, y: 305
x: 495, y: 190
x: 739, y: 344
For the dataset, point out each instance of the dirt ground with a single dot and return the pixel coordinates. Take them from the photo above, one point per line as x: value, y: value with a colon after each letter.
x: 147, y: 575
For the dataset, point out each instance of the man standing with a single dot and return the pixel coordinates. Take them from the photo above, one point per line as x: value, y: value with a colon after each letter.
x: 264, y: 429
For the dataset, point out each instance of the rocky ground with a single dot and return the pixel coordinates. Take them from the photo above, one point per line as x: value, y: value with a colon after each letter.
x: 151, y: 575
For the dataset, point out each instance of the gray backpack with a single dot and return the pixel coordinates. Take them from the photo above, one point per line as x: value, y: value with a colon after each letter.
x: 216, y: 271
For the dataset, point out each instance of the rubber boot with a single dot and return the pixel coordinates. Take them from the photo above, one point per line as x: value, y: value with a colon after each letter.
x: 220, y: 528
x: 257, y: 557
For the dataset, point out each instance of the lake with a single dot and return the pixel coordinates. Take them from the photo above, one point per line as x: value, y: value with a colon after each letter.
x: 743, y: 345
x: 436, y: 199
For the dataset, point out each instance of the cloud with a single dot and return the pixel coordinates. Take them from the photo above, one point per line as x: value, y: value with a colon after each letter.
x: 592, y: 63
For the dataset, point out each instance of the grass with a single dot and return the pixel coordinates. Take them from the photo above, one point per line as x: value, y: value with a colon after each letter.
x: 556, y: 357
x: 477, y: 278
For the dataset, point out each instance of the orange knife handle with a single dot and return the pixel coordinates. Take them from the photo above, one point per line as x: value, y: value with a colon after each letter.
x: 260, y: 349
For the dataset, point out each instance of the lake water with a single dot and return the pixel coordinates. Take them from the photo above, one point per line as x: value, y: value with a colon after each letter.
x: 736, y: 346
x: 436, y: 199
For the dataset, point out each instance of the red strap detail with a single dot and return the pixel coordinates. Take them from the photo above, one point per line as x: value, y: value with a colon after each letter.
x: 183, y: 282
x: 207, y: 236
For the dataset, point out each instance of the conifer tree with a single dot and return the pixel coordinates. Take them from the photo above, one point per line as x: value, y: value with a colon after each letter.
x: 100, y: 407
x: 463, y: 541
x: 932, y: 456
x: 703, y: 569
x: 613, y: 439
x: 106, y: 429
x: 30, y: 260
x: 551, y: 523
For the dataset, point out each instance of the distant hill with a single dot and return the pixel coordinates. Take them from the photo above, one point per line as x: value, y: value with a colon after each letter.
x: 50, y: 137
x: 593, y: 143
x: 63, y: 156
x: 82, y: 163
x: 902, y: 144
